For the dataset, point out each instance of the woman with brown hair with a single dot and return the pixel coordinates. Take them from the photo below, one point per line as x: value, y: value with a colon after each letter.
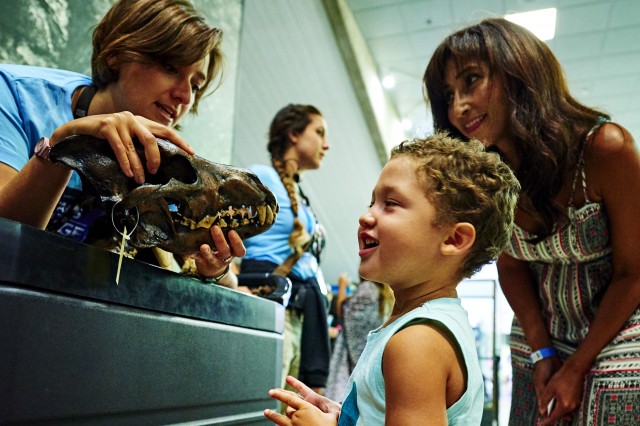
x: 570, y: 272
x: 297, y: 142
x: 152, y: 62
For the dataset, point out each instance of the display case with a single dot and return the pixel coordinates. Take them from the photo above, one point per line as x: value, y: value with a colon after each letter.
x: 156, y: 348
x: 490, y: 316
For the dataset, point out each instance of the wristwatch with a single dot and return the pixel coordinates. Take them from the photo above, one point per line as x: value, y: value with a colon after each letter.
x: 43, y: 148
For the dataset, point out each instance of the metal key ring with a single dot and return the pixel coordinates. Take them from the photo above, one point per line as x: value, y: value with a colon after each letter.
x: 114, y: 223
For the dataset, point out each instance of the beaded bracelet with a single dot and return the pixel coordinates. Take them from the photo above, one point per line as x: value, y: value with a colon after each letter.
x: 543, y: 353
x: 216, y: 280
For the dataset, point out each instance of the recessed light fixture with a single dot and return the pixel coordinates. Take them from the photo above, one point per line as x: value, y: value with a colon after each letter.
x: 541, y: 22
x: 388, y: 82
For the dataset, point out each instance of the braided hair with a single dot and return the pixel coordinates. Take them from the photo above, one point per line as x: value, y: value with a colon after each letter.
x: 293, y: 119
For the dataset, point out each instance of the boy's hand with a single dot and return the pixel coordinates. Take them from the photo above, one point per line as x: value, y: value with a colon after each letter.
x: 299, y: 411
x: 306, y: 393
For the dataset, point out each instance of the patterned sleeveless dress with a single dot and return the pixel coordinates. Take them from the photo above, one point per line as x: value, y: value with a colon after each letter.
x: 573, y: 268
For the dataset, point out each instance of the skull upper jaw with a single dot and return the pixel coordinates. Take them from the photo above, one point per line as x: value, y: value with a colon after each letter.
x: 178, y: 205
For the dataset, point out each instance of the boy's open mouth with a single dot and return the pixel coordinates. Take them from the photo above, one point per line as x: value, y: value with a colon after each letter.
x: 370, y: 243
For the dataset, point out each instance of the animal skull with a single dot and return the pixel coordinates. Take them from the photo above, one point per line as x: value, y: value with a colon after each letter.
x: 178, y: 205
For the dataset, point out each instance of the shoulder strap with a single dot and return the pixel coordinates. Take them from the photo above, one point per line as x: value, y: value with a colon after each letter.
x: 580, y: 172
x: 580, y: 167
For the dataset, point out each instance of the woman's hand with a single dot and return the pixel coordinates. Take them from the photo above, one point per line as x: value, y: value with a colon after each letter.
x: 119, y: 129
x: 30, y: 196
x: 212, y: 263
x: 542, y: 372
x: 566, y: 388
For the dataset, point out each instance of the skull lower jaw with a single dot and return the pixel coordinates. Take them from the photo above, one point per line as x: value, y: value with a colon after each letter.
x: 174, y: 232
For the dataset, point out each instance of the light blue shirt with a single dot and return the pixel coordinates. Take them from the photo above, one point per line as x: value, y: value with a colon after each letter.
x: 273, y: 245
x: 34, y: 101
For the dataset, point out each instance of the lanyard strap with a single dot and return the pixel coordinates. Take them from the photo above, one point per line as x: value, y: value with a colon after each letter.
x: 82, y: 106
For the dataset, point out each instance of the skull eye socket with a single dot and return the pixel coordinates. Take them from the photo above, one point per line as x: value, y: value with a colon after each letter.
x: 173, y: 167
x: 177, y: 208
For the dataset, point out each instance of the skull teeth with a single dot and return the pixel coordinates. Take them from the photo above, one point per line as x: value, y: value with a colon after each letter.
x: 230, y: 217
x: 270, y: 215
x: 262, y: 214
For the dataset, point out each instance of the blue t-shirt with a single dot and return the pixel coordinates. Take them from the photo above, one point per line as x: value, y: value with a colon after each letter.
x: 273, y: 245
x: 34, y: 101
x: 364, y: 402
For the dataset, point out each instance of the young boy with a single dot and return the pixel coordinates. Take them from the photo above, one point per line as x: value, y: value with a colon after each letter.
x: 440, y: 210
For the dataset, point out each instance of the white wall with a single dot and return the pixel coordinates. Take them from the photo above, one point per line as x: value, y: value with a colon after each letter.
x: 288, y: 54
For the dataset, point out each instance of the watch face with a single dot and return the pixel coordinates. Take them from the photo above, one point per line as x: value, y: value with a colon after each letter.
x: 43, y: 148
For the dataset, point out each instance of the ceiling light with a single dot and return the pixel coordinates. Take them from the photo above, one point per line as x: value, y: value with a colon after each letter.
x: 407, y: 124
x: 389, y: 82
x: 541, y: 22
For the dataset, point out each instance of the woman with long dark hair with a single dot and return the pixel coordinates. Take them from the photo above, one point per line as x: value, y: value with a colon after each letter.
x: 571, y: 272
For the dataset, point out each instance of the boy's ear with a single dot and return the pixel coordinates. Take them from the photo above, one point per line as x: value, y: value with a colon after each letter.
x: 293, y: 137
x: 461, y: 238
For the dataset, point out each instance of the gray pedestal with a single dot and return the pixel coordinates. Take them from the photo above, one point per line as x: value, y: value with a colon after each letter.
x: 159, y: 348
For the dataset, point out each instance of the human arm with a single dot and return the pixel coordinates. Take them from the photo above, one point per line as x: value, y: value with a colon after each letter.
x: 341, y: 297
x: 31, y: 194
x: 519, y: 289
x: 422, y: 377
x: 613, y: 177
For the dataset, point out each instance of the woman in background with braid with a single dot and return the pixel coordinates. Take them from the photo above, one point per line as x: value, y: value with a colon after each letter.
x: 297, y: 142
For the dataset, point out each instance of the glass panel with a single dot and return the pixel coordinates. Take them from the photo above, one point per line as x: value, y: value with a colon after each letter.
x: 490, y: 316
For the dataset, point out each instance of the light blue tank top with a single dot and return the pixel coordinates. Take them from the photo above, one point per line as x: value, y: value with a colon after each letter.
x: 364, y: 402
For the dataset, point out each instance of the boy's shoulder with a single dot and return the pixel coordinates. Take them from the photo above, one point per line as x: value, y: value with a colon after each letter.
x: 429, y: 332
x: 421, y: 364
x: 423, y: 339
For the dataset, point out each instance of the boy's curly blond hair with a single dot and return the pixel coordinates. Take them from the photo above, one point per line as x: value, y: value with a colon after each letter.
x: 466, y: 184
